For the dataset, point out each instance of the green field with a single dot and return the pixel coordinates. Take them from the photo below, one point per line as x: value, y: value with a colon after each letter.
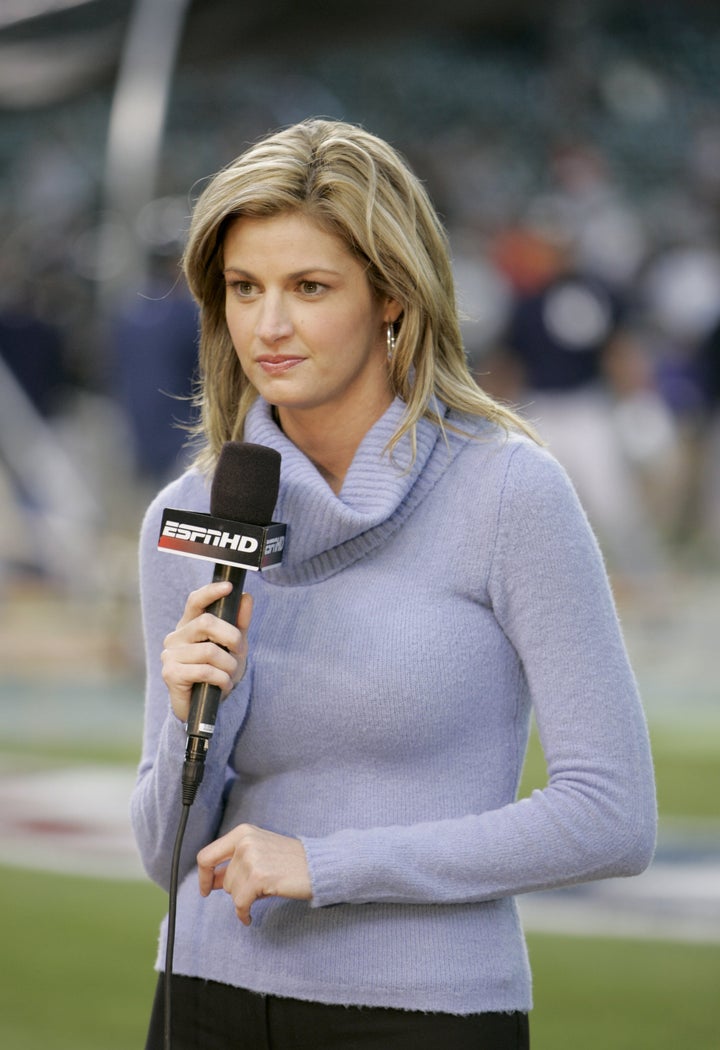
x: 76, y: 969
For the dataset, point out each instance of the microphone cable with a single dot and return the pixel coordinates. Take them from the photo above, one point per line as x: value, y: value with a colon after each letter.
x: 172, y: 914
x: 192, y: 775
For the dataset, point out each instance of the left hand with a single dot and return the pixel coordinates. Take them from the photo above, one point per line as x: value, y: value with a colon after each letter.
x: 250, y: 863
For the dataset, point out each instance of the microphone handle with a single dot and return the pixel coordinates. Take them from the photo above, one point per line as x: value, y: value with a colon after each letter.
x: 205, y: 698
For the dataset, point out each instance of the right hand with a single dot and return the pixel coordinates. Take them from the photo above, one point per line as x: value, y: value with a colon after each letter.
x: 204, y: 648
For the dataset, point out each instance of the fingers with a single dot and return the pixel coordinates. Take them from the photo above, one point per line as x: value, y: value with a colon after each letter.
x: 212, y: 859
x: 184, y: 665
x: 250, y: 863
x: 205, y: 648
x: 199, y: 601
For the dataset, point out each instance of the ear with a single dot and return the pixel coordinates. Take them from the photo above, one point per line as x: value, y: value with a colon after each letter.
x: 393, y: 310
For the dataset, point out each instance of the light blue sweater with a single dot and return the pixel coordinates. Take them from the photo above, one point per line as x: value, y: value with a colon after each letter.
x: 383, y: 719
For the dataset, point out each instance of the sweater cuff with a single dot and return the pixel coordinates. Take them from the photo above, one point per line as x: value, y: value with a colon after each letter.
x: 328, y: 877
x: 352, y: 867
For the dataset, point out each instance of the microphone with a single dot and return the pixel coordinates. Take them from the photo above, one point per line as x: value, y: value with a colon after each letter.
x: 237, y: 535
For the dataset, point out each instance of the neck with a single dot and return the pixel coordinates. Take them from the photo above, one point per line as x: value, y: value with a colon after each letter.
x: 329, y: 438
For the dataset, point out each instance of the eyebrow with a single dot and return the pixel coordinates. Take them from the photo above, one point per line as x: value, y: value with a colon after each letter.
x: 291, y: 276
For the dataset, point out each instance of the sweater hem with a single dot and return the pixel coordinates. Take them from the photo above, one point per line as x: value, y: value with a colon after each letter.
x: 416, y: 1000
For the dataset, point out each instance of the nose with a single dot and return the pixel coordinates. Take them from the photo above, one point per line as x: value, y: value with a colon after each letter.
x: 273, y: 321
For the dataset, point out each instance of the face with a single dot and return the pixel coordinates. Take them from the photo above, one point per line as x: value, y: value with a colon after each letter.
x: 306, y: 326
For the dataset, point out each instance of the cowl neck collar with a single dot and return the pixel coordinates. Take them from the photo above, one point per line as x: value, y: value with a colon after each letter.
x: 327, y: 532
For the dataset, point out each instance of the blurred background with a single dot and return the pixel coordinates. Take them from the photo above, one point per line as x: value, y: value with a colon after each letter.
x: 573, y: 151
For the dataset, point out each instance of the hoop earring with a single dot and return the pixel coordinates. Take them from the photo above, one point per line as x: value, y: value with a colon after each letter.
x: 390, y: 336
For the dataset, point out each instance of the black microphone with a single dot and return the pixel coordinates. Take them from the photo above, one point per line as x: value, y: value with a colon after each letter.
x: 238, y: 534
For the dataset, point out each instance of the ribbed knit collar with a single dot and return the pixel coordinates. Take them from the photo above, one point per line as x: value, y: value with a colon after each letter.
x: 327, y: 532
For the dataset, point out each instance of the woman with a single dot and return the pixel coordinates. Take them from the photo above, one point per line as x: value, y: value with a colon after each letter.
x: 352, y: 855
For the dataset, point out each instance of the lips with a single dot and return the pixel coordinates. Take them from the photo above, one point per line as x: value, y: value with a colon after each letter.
x: 278, y: 365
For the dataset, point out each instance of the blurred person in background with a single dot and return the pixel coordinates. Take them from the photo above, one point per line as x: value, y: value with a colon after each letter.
x: 33, y: 350
x: 48, y: 513
x: 585, y: 379
x: 153, y: 359
x: 351, y: 860
x: 680, y: 296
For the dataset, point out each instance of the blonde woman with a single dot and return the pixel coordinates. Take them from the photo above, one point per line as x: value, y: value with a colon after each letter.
x: 352, y: 857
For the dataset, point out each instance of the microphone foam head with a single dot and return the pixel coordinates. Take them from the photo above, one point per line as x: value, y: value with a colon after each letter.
x: 246, y: 483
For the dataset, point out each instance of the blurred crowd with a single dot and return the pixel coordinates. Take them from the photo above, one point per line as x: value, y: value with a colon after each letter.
x: 590, y: 299
x: 604, y: 327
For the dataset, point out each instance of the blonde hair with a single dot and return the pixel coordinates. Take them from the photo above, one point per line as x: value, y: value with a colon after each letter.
x: 356, y: 186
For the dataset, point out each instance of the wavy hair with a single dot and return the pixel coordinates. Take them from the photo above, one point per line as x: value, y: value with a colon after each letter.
x: 359, y: 188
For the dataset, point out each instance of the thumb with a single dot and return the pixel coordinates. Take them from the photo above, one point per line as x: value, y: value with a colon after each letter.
x: 215, y: 853
x: 245, y: 611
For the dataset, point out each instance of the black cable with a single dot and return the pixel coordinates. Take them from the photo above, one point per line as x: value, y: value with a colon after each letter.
x: 192, y: 775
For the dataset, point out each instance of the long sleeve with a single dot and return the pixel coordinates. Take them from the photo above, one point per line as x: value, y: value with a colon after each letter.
x: 596, y: 817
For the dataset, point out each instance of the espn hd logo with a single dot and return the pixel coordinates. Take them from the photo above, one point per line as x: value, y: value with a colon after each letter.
x: 197, y: 535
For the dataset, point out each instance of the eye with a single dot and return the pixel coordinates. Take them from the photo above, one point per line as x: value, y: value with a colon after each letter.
x: 241, y: 288
x: 311, y: 288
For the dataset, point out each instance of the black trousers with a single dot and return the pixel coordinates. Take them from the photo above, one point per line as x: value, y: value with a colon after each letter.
x: 210, y: 1016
